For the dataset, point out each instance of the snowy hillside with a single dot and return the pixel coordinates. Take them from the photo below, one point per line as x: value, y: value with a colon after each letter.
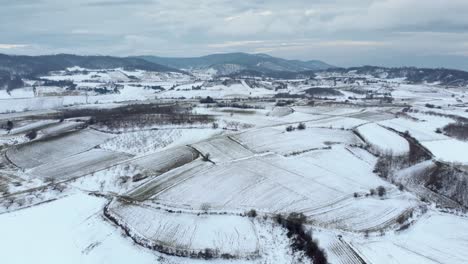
x: 122, y: 164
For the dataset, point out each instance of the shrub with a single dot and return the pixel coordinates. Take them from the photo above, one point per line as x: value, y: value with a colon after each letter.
x: 384, y: 166
x: 227, y: 256
x: 279, y: 219
x: 31, y: 135
x: 252, y: 213
x: 206, y: 157
x: 215, y: 125
x: 356, y: 195
x: 381, y: 191
x: 401, y: 219
x: 372, y: 191
x: 9, y: 125
x: 295, y: 221
x: 123, y: 180
x: 290, y: 128
x: 404, y: 227
x: 458, y: 130
x: 302, y: 240
x: 401, y: 187
x: 206, y: 254
x: 205, y: 207
x: 207, y: 100
x: 301, y: 126
x: 429, y: 105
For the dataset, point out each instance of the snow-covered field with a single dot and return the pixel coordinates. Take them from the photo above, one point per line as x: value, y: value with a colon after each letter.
x: 222, y: 149
x: 185, y: 192
x: 424, y: 129
x: 223, y: 234
x: 72, y: 230
x: 383, y: 140
x: 278, y: 140
x: 36, y: 153
x: 77, y: 165
x: 150, y: 141
x: 436, y: 238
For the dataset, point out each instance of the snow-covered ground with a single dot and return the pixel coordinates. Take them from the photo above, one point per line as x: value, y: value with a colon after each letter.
x: 177, y: 188
x: 436, y: 238
x: 383, y: 140
x: 73, y: 230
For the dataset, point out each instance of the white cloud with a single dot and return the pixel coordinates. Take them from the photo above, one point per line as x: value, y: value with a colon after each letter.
x: 230, y: 44
x: 325, y: 29
x: 12, y: 46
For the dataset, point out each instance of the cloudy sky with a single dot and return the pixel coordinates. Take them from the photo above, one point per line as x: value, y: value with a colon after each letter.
x: 431, y: 33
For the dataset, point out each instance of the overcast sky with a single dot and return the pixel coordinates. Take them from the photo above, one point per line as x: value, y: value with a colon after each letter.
x: 430, y: 33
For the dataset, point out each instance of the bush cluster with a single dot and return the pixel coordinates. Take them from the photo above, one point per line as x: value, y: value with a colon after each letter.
x: 302, y: 240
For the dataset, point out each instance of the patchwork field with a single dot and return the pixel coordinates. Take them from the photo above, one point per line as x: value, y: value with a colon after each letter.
x: 39, y: 152
x: 222, y: 149
x: 77, y: 165
x: 278, y: 140
x: 133, y: 166
x: 429, y: 241
x: 222, y: 234
x: 383, y: 140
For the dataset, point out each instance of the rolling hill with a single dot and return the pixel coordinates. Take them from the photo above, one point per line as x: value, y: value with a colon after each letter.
x: 235, y: 62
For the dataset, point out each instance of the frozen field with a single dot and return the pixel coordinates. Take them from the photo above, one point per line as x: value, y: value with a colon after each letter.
x: 223, y: 234
x: 32, y: 126
x: 431, y: 240
x: 77, y: 165
x: 450, y: 150
x: 367, y: 214
x: 149, y: 141
x: 311, y: 184
x: 337, y: 122
x: 266, y: 168
x: 36, y: 153
x: 80, y: 235
x: 278, y: 140
x: 165, y: 160
x: 424, y: 129
x: 383, y: 140
x: 222, y: 149
x: 218, y: 91
x: 62, y: 127
x: 142, y: 142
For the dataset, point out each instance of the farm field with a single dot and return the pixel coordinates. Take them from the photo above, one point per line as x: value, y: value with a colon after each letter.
x: 278, y: 140
x: 77, y: 165
x: 222, y: 234
x: 383, y: 140
x: 417, y: 245
x: 134, y: 166
x: 39, y: 152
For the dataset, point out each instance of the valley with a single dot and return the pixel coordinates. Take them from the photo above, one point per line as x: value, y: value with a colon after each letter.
x: 138, y: 163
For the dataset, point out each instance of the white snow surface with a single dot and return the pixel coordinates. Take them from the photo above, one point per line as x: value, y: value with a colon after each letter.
x: 384, y: 140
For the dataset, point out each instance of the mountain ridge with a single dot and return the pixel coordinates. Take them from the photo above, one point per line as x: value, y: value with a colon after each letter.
x: 33, y: 65
x: 15, y: 67
x: 239, y: 61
